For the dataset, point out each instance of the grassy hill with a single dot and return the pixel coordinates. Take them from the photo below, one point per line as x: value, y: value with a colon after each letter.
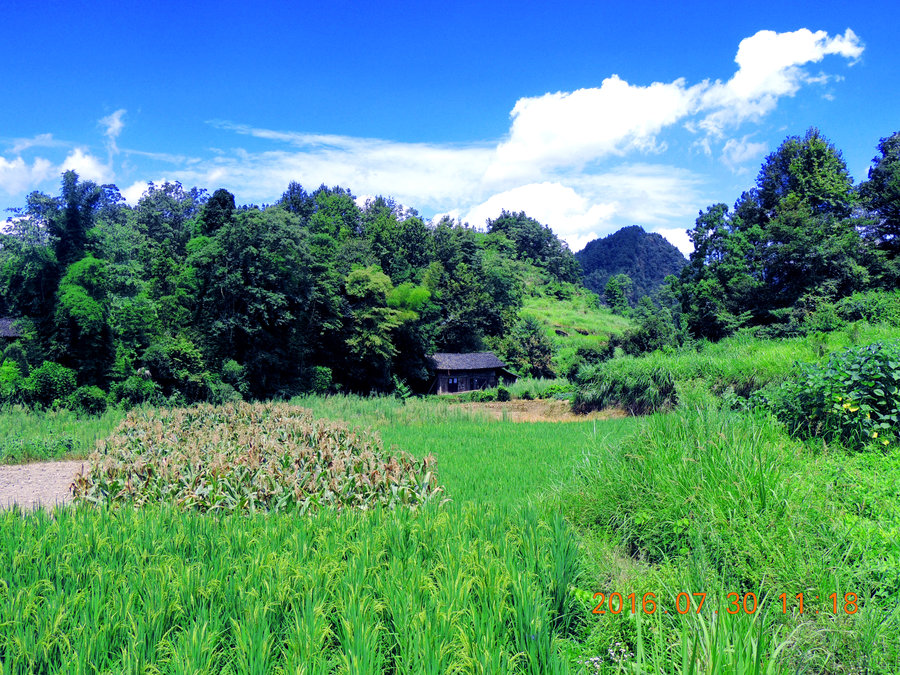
x: 573, y: 318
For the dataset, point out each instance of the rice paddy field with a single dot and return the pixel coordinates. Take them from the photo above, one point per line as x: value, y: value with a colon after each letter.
x: 701, y: 540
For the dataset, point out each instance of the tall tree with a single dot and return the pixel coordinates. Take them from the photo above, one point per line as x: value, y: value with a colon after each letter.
x: 881, y: 194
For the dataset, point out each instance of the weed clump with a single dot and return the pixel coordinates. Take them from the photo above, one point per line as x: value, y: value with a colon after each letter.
x: 250, y: 457
x: 854, y: 398
x: 639, y: 387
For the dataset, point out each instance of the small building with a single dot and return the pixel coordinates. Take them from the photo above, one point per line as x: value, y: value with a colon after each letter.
x: 8, y: 332
x: 467, y: 372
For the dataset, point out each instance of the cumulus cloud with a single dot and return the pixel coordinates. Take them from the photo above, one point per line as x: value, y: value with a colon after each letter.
x: 769, y: 67
x: 87, y: 166
x: 571, y: 129
x: 737, y: 152
x: 678, y: 238
x: 17, y: 176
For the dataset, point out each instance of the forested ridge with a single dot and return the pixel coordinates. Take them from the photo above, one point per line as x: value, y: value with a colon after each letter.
x: 646, y: 258
x: 188, y: 296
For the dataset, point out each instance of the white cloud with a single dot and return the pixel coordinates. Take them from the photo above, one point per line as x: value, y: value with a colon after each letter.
x: 582, y: 208
x: 737, y: 152
x: 573, y: 217
x: 769, y: 67
x: 39, y: 141
x: 571, y: 129
x: 426, y: 175
x: 17, y: 176
x: 114, y: 124
x: 87, y: 166
x: 135, y: 191
x: 678, y: 237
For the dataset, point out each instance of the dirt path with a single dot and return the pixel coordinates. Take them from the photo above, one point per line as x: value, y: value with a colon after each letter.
x: 542, y: 410
x: 38, y: 484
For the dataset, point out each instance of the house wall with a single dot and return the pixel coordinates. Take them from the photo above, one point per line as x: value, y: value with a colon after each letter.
x: 467, y: 380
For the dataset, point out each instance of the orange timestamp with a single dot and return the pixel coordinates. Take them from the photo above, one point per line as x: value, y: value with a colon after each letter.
x: 616, y: 603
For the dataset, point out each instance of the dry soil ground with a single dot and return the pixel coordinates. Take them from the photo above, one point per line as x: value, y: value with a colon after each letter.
x: 39, y: 484
x: 544, y: 410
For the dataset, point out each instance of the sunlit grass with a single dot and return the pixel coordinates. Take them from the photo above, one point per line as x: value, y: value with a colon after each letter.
x: 29, y: 435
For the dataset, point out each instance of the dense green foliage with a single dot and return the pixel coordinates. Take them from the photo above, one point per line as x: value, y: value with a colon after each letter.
x: 854, y: 398
x: 187, y: 297
x: 796, y: 241
x: 647, y: 259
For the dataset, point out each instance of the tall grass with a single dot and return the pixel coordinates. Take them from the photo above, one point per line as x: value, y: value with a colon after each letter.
x: 706, y: 500
x: 28, y: 435
x: 463, y: 589
x: 745, y: 363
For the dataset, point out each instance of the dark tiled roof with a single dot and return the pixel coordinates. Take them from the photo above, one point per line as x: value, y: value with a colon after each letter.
x: 6, y: 328
x: 473, y: 361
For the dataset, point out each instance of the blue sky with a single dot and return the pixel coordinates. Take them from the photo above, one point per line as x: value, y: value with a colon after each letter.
x: 590, y: 116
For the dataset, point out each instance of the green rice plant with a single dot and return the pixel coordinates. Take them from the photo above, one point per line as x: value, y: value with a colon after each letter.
x: 456, y: 589
x: 248, y: 457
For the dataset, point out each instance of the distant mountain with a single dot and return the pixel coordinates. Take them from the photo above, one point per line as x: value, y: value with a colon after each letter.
x: 646, y: 258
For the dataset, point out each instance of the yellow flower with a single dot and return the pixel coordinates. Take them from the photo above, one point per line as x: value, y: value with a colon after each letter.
x: 853, y: 409
x: 874, y: 434
x: 884, y: 442
x: 868, y: 416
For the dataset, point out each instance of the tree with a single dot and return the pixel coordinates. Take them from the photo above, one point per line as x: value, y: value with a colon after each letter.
x: 536, y: 243
x: 298, y: 201
x: 881, y: 195
x: 70, y: 221
x: 370, y: 339
x: 811, y: 168
x: 616, y: 293
x: 528, y: 349
x: 253, y: 290
x: 218, y: 211
x: 83, y: 335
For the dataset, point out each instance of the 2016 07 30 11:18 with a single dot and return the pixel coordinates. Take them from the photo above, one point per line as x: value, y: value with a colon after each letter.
x: 747, y: 603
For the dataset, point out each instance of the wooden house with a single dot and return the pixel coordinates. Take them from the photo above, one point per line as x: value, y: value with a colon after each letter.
x: 8, y: 332
x: 466, y: 372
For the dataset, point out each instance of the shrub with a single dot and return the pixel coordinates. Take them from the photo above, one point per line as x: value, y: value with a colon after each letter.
x: 11, y: 381
x: 634, y: 384
x: 14, y: 352
x: 48, y: 383
x: 526, y: 395
x: 321, y: 379
x: 88, y: 400
x: 503, y: 394
x: 250, y: 457
x: 853, y: 398
x: 872, y: 306
x: 233, y: 373
x: 136, y: 390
